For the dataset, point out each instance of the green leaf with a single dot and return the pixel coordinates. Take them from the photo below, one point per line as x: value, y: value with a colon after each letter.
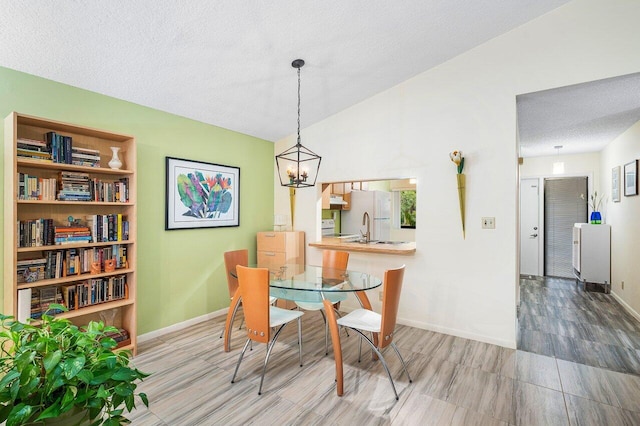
x: 72, y: 366
x: 8, y: 378
x: 143, y: 397
x: 24, y: 359
x: 19, y: 414
x: 51, y: 411
x: 51, y: 360
x: 69, y: 395
x: 123, y: 374
x: 85, y: 376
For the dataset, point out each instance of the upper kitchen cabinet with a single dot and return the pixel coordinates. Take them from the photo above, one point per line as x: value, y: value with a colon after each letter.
x: 336, y: 196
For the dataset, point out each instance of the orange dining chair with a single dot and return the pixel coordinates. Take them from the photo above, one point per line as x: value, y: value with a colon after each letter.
x: 365, y: 320
x: 231, y: 260
x: 334, y: 263
x: 261, y: 316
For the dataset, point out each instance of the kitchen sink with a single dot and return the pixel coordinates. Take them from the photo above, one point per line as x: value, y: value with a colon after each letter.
x: 391, y: 242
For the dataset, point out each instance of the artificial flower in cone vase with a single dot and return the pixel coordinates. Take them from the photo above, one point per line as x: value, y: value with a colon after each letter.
x: 458, y: 159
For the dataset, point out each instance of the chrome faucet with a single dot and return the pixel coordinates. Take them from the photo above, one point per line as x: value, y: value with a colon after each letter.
x: 365, y: 220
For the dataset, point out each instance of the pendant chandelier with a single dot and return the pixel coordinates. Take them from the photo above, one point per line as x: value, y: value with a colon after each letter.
x: 298, y: 166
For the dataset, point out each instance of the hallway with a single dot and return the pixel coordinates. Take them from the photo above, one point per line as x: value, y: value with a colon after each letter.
x: 557, y: 318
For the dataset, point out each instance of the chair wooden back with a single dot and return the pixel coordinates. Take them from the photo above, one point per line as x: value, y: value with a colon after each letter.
x: 231, y: 260
x: 254, y: 289
x: 334, y: 263
x: 390, y: 301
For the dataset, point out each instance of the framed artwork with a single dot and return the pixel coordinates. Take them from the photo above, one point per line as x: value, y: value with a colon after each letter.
x: 201, y: 195
x: 631, y: 178
x: 615, y: 184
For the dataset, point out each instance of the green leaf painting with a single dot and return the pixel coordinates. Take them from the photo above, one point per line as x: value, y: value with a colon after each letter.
x: 205, y: 196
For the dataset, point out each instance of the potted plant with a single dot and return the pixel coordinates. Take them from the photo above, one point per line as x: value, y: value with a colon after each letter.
x: 596, y: 217
x: 57, y: 370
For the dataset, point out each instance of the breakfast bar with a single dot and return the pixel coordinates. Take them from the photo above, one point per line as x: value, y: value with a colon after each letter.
x: 404, y: 248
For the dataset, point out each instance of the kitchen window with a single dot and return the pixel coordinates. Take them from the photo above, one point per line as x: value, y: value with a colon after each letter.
x: 408, y: 209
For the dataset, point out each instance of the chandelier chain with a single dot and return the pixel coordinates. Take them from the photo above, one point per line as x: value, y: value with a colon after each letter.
x: 298, y: 106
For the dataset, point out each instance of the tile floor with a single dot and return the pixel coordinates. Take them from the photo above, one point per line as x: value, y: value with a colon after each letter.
x: 455, y: 381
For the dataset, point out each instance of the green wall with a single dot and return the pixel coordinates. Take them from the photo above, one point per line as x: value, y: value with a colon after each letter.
x: 181, y: 272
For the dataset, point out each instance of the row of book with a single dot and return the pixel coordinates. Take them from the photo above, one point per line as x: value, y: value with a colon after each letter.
x: 36, y: 188
x: 108, y: 227
x: 110, y: 191
x: 72, y: 261
x: 85, y: 157
x: 72, y: 234
x: 31, y: 270
x: 99, y: 228
x: 94, y: 291
x: 33, y: 149
x: 41, y: 299
x: 35, y: 232
x: 73, y: 187
x: 33, y: 302
x: 57, y: 149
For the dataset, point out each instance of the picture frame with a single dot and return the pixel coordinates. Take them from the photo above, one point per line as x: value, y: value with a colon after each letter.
x: 201, y: 194
x: 615, y: 184
x: 631, y: 178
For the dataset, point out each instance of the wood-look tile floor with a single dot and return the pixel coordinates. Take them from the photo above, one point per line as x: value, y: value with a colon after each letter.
x: 456, y: 381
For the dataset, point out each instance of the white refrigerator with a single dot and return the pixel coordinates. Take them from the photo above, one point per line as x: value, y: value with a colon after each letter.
x: 378, y: 205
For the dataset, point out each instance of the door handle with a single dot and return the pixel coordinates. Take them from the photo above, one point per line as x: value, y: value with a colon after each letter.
x: 533, y: 235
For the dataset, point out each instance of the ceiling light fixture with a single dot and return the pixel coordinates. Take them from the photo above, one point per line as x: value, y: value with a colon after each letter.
x: 558, y: 166
x: 298, y: 166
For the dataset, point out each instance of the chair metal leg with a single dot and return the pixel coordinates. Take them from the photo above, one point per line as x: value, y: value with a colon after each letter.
x: 240, y: 360
x: 300, y: 340
x: 266, y: 358
x: 233, y: 318
x: 384, y: 363
x: 404, y: 366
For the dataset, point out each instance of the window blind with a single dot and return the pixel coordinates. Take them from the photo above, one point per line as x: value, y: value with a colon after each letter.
x: 565, y: 203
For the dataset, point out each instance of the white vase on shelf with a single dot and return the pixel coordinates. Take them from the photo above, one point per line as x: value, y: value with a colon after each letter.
x: 115, y: 162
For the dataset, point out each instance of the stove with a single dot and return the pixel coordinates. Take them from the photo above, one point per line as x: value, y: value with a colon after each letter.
x: 328, y: 227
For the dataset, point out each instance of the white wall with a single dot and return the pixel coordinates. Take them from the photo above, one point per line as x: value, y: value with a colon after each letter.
x: 624, y: 220
x: 464, y: 287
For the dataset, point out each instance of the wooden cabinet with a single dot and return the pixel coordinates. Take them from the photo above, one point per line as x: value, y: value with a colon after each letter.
x: 276, y: 249
x: 69, y: 223
x: 280, y: 248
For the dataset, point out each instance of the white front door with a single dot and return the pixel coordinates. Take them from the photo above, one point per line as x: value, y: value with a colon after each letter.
x: 530, y: 227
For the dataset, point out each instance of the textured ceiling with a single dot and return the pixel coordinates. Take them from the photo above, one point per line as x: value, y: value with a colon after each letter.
x: 580, y: 118
x: 228, y: 62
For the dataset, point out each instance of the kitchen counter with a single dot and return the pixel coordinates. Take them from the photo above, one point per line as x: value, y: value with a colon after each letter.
x: 334, y: 243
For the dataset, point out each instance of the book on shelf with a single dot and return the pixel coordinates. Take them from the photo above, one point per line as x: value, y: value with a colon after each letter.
x: 24, y: 304
x: 35, y: 188
x: 85, y: 157
x: 35, y: 232
x: 30, y: 270
x: 60, y: 147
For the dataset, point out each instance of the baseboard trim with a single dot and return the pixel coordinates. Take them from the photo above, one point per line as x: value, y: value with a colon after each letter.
x: 181, y: 325
x: 451, y: 331
x: 626, y: 306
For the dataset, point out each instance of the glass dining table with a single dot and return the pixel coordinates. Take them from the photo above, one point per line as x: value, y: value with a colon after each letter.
x: 307, y: 283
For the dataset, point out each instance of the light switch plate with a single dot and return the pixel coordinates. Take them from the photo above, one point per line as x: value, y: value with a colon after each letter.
x: 488, y: 223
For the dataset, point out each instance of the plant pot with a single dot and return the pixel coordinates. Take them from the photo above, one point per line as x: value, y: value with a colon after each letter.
x: 75, y: 417
x: 596, y: 218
